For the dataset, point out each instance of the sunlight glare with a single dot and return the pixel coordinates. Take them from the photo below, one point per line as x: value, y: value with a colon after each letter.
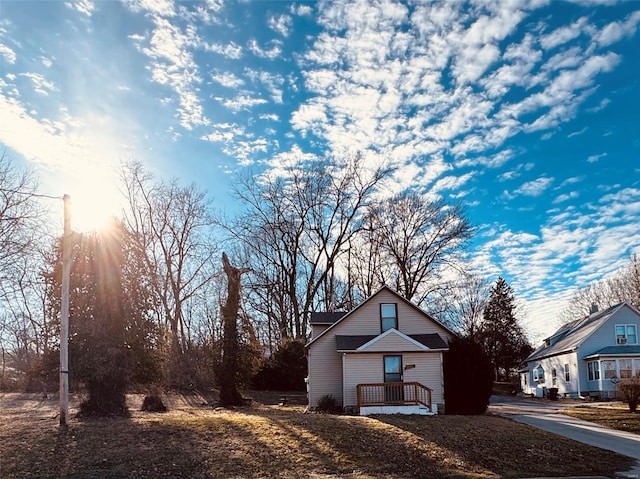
x: 93, y: 204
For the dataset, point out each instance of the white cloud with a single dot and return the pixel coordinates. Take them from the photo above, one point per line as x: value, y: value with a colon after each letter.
x: 566, y: 197
x: 271, y: 53
x: 562, y: 35
x: 229, y: 50
x: 241, y: 102
x: 273, y: 82
x: 452, y: 182
x: 535, y: 187
x: 302, y: 10
x: 173, y: 63
x: 162, y: 8
x: 7, y: 53
x: 228, y: 80
x: 85, y: 7
x: 270, y: 117
x: 572, y: 180
x: 616, y: 31
x: 577, y: 133
x: 280, y: 24
x: 40, y: 84
x: 595, y: 158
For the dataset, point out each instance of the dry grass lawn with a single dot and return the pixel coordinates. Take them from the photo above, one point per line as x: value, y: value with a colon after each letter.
x: 616, y: 416
x: 193, y: 440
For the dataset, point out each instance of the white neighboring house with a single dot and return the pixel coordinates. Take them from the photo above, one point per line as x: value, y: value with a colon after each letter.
x: 383, y: 357
x: 587, y: 357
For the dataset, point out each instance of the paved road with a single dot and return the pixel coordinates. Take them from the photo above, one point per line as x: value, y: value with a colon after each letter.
x: 548, y: 415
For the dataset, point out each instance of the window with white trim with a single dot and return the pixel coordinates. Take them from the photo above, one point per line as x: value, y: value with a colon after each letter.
x: 593, y: 368
x: 538, y: 374
x: 626, y: 334
x: 567, y: 373
x: 554, y: 377
x: 609, y: 368
x: 625, y: 368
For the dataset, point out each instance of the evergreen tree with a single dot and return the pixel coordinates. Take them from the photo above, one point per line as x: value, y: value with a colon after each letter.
x: 112, y: 337
x: 468, y: 377
x: 501, y: 335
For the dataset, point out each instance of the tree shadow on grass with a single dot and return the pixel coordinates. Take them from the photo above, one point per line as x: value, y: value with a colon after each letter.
x: 370, y: 446
x: 272, y: 442
x: 507, y: 448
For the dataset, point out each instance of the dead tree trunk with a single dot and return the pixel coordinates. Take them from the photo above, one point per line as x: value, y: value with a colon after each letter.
x: 229, y: 394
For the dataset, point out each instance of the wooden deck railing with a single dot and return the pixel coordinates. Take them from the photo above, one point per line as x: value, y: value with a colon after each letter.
x: 383, y: 394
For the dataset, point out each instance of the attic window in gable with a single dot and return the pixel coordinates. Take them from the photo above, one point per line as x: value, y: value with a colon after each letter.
x: 388, y: 316
x: 626, y: 334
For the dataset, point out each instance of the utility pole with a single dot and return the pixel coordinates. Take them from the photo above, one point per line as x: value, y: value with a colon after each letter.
x: 64, y: 314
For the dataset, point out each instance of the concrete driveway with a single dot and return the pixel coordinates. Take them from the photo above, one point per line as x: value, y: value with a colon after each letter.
x: 547, y: 415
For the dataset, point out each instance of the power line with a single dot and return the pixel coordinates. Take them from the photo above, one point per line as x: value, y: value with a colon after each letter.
x: 37, y: 195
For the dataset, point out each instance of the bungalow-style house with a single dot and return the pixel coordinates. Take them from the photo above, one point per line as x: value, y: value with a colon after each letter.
x: 383, y: 357
x: 586, y: 357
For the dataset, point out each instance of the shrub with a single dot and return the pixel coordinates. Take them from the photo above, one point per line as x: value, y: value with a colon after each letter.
x: 468, y: 377
x: 285, y: 370
x: 630, y: 391
x: 327, y: 403
x: 153, y: 403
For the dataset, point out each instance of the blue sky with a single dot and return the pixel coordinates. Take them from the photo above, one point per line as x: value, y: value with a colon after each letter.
x: 526, y: 112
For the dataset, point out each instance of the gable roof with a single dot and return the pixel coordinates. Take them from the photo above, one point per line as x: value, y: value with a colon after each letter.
x: 569, y: 337
x: 384, y: 288
x: 353, y: 343
x: 326, y: 318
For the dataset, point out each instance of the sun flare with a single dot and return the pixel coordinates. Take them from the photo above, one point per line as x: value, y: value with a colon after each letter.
x: 93, y: 205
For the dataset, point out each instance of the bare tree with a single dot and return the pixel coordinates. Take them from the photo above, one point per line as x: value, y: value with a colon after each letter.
x: 25, y: 335
x: 416, y: 239
x: 20, y: 215
x: 174, y: 230
x: 296, y: 232
x: 624, y: 285
x: 465, y: 304
x: 229, y: 394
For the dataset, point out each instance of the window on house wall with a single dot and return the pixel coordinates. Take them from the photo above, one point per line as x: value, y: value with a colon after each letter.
x: 625, y: 368
x: 554, y: 377
x: 636, y: 367
x: 525, y: 378
x: 609, y: 369
x: 593, y: 368
x: 626, y: 334
x: 538, y: 374
x: 567, y: 374
x: 388, y: 316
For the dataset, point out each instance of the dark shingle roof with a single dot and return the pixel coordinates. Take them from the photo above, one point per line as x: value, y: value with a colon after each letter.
x: 617, y: 351
x: 351, y: 343
x: 326, y: 318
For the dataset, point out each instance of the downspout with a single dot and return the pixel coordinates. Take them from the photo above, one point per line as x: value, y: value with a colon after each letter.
x: 344, y: 387
x: 580, y: 396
